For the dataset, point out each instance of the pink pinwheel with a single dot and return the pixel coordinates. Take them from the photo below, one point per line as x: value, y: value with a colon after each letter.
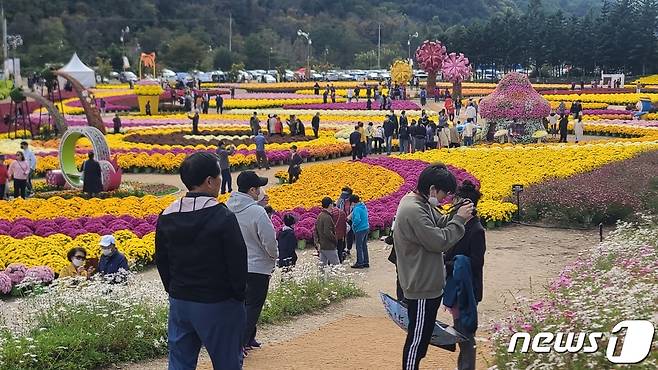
x: 430, y: 55
x: 456, y: 68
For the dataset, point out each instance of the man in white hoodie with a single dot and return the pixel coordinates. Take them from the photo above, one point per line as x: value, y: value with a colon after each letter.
x: 262, y: 251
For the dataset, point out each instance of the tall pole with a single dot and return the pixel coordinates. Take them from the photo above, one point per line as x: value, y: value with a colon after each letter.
x: 308, y: 61
x: 4, y: 40
x: 409, y: 49
x: 379, y: 45
x: 230, y: 31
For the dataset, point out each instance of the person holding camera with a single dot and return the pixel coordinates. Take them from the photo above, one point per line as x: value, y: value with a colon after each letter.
x: 473, y: 246
x: 421, y: 236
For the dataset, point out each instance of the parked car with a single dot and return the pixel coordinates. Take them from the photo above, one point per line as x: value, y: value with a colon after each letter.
x: 127, y: 76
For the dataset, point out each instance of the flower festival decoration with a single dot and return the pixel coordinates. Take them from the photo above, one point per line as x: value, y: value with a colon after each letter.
x: 515, y: 106
x: 456, y: 68
x: 401, y: 72
x: 430, y: 55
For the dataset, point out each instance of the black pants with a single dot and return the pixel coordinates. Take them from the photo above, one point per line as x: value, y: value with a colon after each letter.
x: 257, y: 286
x: 220, y: 109
x: 226, y: 180
x: 563, y: 137
x: 454, y: 145
x: 349, y: 240
x: 362, y: 149
x: 20, y: 188
x: 340, y: 246
x: 293, y: 175
x: 315, y: 132
x: 422, y: 315
x: 261, y: 160
x: 355, y: 151
x: 2, y: 191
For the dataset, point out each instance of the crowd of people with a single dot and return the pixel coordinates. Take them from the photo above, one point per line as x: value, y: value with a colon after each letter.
x: 20, y: 171
x: 216, y: 260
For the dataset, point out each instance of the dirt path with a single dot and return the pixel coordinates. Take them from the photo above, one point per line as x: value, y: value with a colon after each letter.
x: 356, y: 334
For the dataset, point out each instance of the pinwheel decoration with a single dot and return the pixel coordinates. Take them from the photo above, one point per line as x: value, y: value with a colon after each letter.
x: 456, y: 67
x: 430, y: 55
x: 401, y: 72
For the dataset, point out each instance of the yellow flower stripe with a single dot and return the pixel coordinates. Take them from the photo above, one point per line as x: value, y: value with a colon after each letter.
x: 499, y: 167
x: 555, y: 104
x: 43, y: 209
x: 614, y: 99
x: 112, y: 86
x: 321, y: 180
x: 51, y: 251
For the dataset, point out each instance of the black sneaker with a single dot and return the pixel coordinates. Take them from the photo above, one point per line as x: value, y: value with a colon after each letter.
x: 355, y: 266
x: 367, y: 265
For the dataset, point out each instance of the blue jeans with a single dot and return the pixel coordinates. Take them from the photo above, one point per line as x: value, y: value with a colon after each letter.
x: 361, y: 238
x: 468, y: 141
x: 389, y: 144
x: 404, y: 143
x: 217, y: 326
x: 369, y: 145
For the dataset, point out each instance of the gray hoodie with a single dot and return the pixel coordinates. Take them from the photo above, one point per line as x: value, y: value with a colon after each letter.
x: 420, y: 237
x: 257, y: 231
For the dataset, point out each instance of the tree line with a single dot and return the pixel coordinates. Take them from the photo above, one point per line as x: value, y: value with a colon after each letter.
x: 620, y: 35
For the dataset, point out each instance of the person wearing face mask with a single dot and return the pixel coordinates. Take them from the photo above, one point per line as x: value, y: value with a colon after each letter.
x: 202, y: 261
x: 78, y: 258
x: 112, y: 261
x: 421, y: 236
x: 262, y: 247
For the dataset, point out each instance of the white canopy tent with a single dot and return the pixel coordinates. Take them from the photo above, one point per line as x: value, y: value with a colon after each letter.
x: 79, y: 71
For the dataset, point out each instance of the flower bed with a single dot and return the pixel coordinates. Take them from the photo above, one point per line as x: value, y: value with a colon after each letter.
x: 206, y: 136
x: 614, y: 281
x: 614, y: 99
x: 361, y: 105
x: 499, y: 167
x: 607, y: 194
x: 380, y: 182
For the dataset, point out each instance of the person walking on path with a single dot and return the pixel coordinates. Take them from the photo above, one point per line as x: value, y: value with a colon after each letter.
x: 261, y: 157
x: 262, y: 251
x: 324, y: 234
x: 564, y: 123
x: 201, y: 257
x: 421, y: 236
x: 32, y: 161
x: 4, y: 177
x: 295, y: 165
x: 287, y: 242
x: 195, y: 121
x: 254, y: 124
x: 579, y: 129
x: 340, y: 222
x: 19, y: 170
x: 91, y: 176
x: 224, y: 166
x: 355, y: 142
x: 219, y: 103
x: 389, y: 130
x: 361, y: 227
x: 315, y: 124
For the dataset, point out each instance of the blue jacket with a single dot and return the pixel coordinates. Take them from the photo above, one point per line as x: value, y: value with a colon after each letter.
x: 459, y: 292
x: 260, y: 141
x: 360, y: 218
x: 111, y: 264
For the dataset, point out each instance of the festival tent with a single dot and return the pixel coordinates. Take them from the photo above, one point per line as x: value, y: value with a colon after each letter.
x: 79, y: 71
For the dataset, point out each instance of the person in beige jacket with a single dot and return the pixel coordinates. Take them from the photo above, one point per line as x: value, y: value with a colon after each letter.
x: 420, y: 238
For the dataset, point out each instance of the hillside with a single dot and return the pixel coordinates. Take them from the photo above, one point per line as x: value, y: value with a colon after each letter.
x: 195, y: 33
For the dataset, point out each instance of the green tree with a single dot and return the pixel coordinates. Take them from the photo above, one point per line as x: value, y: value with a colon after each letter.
x: 255, y: 52
x: 223, y: 59
x: 103, y: 67
x: 184, y: 53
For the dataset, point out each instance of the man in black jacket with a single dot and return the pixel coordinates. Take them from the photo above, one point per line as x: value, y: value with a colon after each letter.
x: 389, y: 130
x: 202, y: 260
x: 355, y: 141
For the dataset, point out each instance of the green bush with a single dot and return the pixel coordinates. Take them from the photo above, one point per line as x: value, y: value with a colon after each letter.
x: 87, y: 337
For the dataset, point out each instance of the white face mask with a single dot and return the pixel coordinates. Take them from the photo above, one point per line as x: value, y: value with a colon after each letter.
x: 106, y: 251
x: 434, y: 201
x: 77, y: 262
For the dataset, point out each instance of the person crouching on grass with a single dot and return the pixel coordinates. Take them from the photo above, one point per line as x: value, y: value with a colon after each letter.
x: 421, y: 236
x: 202, y: 260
